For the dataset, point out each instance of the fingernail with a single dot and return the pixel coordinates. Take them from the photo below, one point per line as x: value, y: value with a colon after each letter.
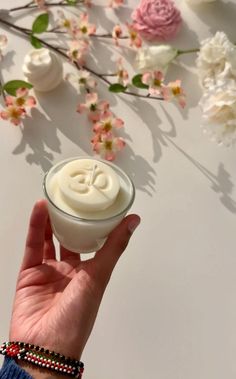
x: 133, y: 224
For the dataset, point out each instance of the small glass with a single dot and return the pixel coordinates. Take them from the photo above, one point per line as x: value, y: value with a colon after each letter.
x: 86, y: 235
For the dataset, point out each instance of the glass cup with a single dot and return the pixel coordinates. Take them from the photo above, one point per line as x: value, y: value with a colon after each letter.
x: 82, y: 234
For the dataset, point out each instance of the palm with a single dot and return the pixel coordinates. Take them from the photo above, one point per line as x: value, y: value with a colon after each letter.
x: 56, y: 302
x: 47, y: 299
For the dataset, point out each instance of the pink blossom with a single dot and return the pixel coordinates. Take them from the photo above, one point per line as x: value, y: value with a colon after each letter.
x: 135, y: 39
x: 116, y: 3
x: 22, y: 99
x: 154, y: 80
x: 122, y: 74
x: 40, y: 4
x: 77, y: 51
x: 173, y: 90
x: 84, y: 28
x: 13, y: 113
x: 93, y: 106
x: 116, y: 34
x: 16, y: 106
x: 107, y: 145
x: 68, y: 24
x: 157, y: 19
x: 107, y: 122
x: 81, y: 80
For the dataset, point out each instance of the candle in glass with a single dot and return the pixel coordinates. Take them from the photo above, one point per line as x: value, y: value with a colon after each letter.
x: 87, y: 199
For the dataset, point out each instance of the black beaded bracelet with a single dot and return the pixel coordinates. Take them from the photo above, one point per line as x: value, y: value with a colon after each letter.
x: 43, y: 358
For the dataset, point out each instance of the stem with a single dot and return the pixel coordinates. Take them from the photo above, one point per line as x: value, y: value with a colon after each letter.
x: 181, y: 52
x: 2, y: 91
x: 58, y: 50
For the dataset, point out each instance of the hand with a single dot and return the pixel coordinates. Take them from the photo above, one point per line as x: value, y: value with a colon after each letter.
x: 56, y: 302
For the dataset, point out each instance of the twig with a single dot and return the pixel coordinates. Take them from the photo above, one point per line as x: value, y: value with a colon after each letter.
x: 31, y: 5
x: 2, y: 90
x: 59, y: 50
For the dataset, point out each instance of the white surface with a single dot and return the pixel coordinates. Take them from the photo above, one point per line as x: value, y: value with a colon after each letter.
x: 170, y: 309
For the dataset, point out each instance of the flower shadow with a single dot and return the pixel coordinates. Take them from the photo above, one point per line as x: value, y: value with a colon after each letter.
x: 40, y: 136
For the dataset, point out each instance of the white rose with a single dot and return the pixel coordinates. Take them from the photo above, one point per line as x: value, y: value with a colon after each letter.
x: 196, y: 2
x: 218, y: 104
x: 155, y: 58
x: 217, y: 56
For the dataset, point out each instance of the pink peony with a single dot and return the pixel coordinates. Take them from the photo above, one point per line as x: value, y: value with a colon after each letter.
x: 157, y: 19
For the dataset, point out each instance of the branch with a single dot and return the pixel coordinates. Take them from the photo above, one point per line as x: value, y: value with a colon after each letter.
x: 58, y: 50
x: 32, y: 5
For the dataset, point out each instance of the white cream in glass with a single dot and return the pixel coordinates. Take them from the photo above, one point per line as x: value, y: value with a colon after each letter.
x: 87, y: 199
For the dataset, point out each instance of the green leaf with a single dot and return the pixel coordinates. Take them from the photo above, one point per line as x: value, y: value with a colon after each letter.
x: 71, y: 2
x: 137, y: 81
x: 11, y: 86
x: 40, y: 24
x: 35, y: 42
x: 117, y: 87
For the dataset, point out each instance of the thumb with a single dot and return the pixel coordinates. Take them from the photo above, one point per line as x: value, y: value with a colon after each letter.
x: 107, y: 257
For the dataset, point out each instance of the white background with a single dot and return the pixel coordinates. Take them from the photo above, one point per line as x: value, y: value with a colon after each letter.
x: 170, y: 309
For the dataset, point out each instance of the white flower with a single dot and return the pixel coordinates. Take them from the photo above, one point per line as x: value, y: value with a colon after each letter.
x: 218, y: 104
x: 155, y: 58
x: 82, y: 80
x: 217, y: 56
x: 3, y: 43
x: 196, y: 2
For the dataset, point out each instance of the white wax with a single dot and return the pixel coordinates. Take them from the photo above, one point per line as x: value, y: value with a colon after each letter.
x: 43, y: 68
x: 79, y: 227
x: 86, y: 185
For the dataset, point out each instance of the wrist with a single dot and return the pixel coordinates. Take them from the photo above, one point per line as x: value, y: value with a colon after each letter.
x: 38, y: 372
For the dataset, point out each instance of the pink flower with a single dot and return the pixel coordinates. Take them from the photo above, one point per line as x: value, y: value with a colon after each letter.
x: 77, y: 51
x: 116, y: 34
x: 41, y: 4
x: 173, y: 90
x: 22, y: 99
x: 84, y: 28
x: 82, y: 80
x: 154, y: 80
x: 122, y: 74
x: 157, y: 19
x: 135, y: 39
x: 107, y: 122
x: 116, y: 3
x: 16, y: 106
x: 93, y: 106
x: 107, y: 145
x: 13, y: 113
x: 68, y: 24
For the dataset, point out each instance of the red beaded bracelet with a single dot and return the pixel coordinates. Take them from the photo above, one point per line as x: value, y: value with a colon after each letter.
x: 43, y: 358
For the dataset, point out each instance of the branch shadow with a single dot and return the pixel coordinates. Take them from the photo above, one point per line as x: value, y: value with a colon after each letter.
x: 224, y: 14
x: 221, y: 183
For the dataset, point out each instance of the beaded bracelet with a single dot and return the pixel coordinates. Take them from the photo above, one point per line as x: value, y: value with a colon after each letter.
x: 43, y: 358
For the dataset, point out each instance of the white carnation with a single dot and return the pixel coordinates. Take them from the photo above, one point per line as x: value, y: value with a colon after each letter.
x: 216, y: 59
x: 155, y: 58
x: 218, y: 104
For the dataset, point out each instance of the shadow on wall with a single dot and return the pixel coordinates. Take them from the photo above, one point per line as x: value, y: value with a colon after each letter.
x: 224, y: 14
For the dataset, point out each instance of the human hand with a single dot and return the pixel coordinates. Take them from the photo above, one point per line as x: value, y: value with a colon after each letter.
x: 56, y: 302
